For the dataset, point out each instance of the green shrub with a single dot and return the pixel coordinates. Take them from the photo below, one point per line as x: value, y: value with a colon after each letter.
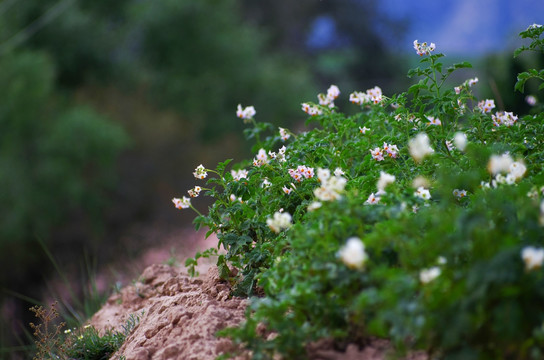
x: 417, y: 219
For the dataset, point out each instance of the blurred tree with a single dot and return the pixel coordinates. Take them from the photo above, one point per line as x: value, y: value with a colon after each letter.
x: 347, y: 42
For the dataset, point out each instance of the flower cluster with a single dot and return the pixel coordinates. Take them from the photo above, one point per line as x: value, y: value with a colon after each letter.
x: 504, y: 164
x: 280, y: 156
x: 468, y: 83
x: 237, y: 175
x: 485, y: 106
x: 328, y: 100
x: 504, y: 119
x: 200, y: 172
x: 182, y: 203
x: 331, y: 186
x: 194, y: 192
x: 246, y: 113
x: 311, y: 109
x: 423, y: 48
x: 261, y: 158
x: 280, y: 221
x: 284, y: 134
x: 353, y: 253
x: 301, y: 172
x: 459, y: 193
x: 371, y: 96
x: 390, y: 150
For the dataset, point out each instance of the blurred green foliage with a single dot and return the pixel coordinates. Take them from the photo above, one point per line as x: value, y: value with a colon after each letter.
x: 55, y: 157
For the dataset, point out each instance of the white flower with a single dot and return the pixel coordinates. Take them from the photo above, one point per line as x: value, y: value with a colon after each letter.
x: 353, y: 253
x: 261, y: 159
x: 182, y: 203
x: 459, y: 193
x: 194, y: 192
x: 200, y: 172
x: 333, y: 92
x: 338, y: 172
x: 314, y: 206
x: 284, y: 134
x: 331, y: 186
x: 499, y: 163
x: 280, y: 221
x: 423, y: 49
x: 434, y: 121
x: 372, y: 199
x: 532, y: 257
x: 428, y: 275
x: 460, y: 141
x: 246, y: 113
x: 419, y: 147
x: 517, y: 170
x: 385, y: 179
x: 422, y: 193
x: 363, y: 129
x: 239, y: 174
x: 266, y: 183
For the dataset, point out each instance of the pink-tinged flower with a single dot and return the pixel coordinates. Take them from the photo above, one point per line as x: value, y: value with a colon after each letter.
x: 372, y: 199
x: 363, y: 129
x: 353, y: 253
x: 504, y: 119
x: 449, y: 145
x: 375, y: 95
x: 457, y: 89
x: 233, y: 198
x: 194, y: 192
x: 391, y: 150
x: 459, y: 193
x: 472, y: 82
x: 182, y: 203
x: 288, y: 190
x: 486, y: 106
x: 423, y: 48
x: 377, y: 154
x: 333, y: 92
x: 434, y: 121
x: 532, y: 257
x: 284, y: 134
x: 245, y: 113
x: 200, y: 172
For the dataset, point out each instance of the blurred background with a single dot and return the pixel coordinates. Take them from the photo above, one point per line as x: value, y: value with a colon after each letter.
x: 106, y: 108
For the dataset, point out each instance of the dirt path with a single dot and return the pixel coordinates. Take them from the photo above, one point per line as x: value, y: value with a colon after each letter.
x: 180, y: 315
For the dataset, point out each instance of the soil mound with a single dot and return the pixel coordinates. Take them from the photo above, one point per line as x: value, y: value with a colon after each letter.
x: 179, y: 315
